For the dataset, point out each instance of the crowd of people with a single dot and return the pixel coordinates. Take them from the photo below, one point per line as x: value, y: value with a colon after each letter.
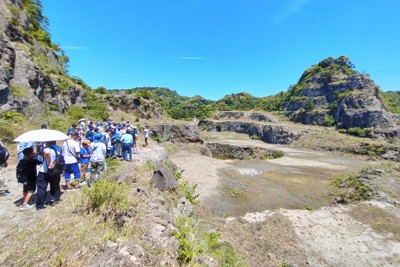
x: 81, y: 159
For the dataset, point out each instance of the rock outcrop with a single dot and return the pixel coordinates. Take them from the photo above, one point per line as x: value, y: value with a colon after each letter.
x: 32, y: 69
x: 270, y: 133
x: 180, y: 133
x: 332, y: 88
x: 242, y: 152
x: 141, y: 107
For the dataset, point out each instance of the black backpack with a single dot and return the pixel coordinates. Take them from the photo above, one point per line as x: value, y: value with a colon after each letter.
x: 59, y: 167
x: 21, y: 171
x: 4, y: 154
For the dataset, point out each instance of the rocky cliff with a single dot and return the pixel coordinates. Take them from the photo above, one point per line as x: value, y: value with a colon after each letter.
x: 333, y: 93
x: 32, y: 68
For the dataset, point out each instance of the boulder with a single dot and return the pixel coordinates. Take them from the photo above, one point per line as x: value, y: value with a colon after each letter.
x: 163, y: 178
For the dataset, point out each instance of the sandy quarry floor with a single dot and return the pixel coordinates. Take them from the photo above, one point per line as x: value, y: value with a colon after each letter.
x: 362, y: 234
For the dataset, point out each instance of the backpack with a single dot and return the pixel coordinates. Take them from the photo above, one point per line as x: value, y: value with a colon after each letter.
x: 59, y: 168
x: 4, y: 154
x: 21, y: 172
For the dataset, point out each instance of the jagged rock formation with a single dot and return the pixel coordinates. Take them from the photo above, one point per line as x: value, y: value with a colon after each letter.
x: 141, y: 107
x: 332, y: 88
x: 270, y: 133
x: 250, y: 115
x: 181, y: 133
x: 242, y: 152
x: 32, y: 68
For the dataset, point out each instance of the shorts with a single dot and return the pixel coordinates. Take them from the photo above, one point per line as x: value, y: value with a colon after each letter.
x: 29, y: 186
x: 72, y: 169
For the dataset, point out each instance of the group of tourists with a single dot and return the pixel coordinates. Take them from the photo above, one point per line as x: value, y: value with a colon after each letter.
x: 86, y: 150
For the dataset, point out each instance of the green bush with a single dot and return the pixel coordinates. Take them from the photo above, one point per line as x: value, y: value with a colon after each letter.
x: 359, y: 132
x: 274, y: 155
x: 328, y: 121
x: 188, y: 190
x: 76, y: 113
x: 195, y: 243
x: 349, y: 188
x: 108, y: 198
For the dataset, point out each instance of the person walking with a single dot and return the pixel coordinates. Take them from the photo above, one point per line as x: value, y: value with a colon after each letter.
x: 127, y: 142
x: 26, y: 174
x: 97, y: 160
x: 71, y: 152
x: 85, y: 159
x: 146, y: 135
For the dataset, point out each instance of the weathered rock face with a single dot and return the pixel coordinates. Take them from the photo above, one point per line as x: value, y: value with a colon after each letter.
x: 333, y: 88
x: 274, y: 134
x: 181, y: 133
x: 31, y: 73
x: 251, y: 115
x: 241, y: 152
x: 141, y: 107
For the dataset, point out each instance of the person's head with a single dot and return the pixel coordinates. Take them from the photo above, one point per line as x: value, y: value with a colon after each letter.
x: 44, y: 126
x: 74, y: 135
x: 147, y: 127
x: 28, y: 152
x: 74, y: 125
x: 97, y: 137
x: 85, y: 143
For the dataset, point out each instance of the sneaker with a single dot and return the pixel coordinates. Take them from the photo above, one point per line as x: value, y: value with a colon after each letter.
x: 26, y: 207
x: 52, y: 203
x: 68, y: 190
x: 83, y: 183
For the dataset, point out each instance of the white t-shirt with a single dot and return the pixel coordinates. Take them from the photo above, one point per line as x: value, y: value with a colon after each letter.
x: 43, y: 167
x: 146, y: 133
x: 70, y: 150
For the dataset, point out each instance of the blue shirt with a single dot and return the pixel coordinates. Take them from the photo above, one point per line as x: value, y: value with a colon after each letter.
x: 84, y: 151
x: 127, y: 139
x: 21, y: 147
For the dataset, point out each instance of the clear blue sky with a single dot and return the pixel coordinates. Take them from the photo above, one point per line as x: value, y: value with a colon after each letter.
x: 217, y: 47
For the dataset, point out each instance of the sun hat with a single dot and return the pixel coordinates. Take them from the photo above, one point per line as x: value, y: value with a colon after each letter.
x: 97, y: 137
x: 86, y: 142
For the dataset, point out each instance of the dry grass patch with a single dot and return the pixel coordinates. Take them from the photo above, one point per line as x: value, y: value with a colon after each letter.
x: 380, y: 220
x: 269, y: 243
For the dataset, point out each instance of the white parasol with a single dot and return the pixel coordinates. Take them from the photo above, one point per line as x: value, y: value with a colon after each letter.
x: 42, y: 135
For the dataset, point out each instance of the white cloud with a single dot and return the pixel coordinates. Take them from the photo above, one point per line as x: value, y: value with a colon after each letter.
x: 290, y: 8
x: 73, y: 47
x: 191, y: 58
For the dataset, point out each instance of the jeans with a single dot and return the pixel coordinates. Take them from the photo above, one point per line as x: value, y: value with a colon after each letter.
x: 72, y: 169
x: 96, y: 169
x: 127, y: 148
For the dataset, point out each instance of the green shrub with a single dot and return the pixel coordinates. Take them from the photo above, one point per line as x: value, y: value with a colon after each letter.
x: 349, y: 188
x: 359, y: 132
x: 76, y: 113
x: 273, y: 155
x: 108, y: 198
x: 328, y: 121
x: 195, y: 243
x: 188, y: 190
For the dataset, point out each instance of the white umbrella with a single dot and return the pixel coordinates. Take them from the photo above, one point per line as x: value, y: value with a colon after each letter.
x: 42, y: 135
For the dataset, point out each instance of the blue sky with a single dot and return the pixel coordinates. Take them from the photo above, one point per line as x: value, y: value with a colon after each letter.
x: 213, y: 48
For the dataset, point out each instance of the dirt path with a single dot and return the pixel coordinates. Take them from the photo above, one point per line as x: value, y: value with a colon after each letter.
x: 11, y: 217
